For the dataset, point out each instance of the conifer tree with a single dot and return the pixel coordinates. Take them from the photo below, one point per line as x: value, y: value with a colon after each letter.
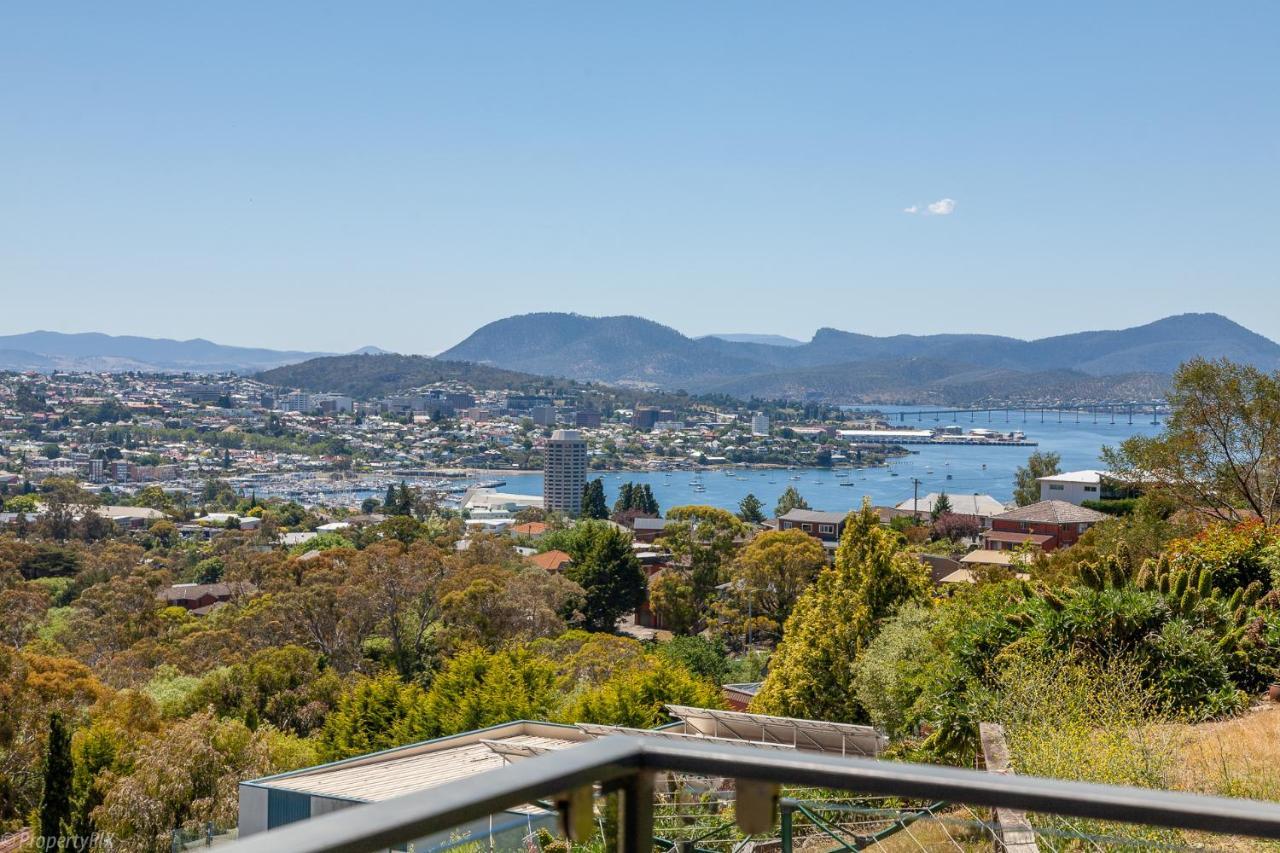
x: 593, y: 503
x: 649, y: 503
x: 751, y: 510
x: 791, y: 499
x: 812, y: 673
x: 607, y: 569
x: 55, y: 798
x: 940, y: 507
x: 625, y: 498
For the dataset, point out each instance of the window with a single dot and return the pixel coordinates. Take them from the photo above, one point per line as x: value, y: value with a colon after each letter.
x: 807, y: 526
x: 1056, y: 487
x: 826, y: 528
x: 1091, y: 488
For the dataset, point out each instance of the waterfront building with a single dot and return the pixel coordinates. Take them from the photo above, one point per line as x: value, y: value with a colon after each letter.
x: 759, y: 424
x: 564, y: 472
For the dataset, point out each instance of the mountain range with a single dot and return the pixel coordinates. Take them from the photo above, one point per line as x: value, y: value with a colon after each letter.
x: 834, y: 366
x: 91, y: 351
x: 846, y: 367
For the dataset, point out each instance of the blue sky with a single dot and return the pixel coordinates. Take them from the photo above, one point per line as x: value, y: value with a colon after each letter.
x: 324, y: 176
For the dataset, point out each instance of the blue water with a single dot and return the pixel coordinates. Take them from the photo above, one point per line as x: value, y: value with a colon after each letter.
x: 1079, y: 445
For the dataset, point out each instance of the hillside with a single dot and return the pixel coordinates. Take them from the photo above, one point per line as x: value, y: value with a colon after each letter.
x: 377, y: 375
x: 605, y: 349
x: 371, y: 376
x: 99, y: 352
x: 839, y: 366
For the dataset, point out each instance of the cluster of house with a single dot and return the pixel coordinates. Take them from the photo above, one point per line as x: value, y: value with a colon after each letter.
x: 1003, y: 533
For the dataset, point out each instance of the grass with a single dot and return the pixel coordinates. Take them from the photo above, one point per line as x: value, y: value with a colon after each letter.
x: 1239, y: 757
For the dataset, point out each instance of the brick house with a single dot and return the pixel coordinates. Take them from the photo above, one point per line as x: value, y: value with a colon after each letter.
x: 1047, y: 524
x: 826, y: 527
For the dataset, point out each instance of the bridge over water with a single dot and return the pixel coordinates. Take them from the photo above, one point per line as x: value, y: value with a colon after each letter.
x: 1097, y: 413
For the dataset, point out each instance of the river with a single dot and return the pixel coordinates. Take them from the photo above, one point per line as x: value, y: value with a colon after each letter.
x: 972, y: 468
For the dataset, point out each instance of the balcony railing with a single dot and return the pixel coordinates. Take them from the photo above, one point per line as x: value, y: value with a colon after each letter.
x: 628, y: 766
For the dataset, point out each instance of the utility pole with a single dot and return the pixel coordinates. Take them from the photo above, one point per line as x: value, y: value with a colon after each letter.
x: 915, y: 498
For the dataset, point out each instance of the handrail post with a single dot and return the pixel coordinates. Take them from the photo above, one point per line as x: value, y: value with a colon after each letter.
x: 786, y: 808
x: 1013, y: 832
x: 635, y: 818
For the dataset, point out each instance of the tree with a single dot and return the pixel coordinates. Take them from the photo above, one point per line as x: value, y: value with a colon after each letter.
x: 64, y: 503
x: 55, y: 798
x: 751, y: 510
x: 767, y: 577
x: 606, y: 568
x: 1219, y: 452
x: 479, y: 688
x: 188, y: 775
x: 812, y: 673
x: 955, y: 527
x: 1026, y: 490
x: 593, y: 503
x: 790, y: 500
x: 373, y: 714
x: 672, y: 600
x: 401, y: 585
x: 638, y: 697
x: 701, y: 540
x: 636, y: 497
x: 941, y: 506
x: 647, y: 502
x: 626, y: 497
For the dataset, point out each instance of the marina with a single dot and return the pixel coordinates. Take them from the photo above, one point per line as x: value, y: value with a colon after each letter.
x: 956, y: 467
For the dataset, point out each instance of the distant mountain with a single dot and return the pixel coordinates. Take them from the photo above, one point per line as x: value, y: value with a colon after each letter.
x: 627, y: 350
x: 94, y: 351
x: 770, y: 340
x: 840, y: 366
x: 380, y: 374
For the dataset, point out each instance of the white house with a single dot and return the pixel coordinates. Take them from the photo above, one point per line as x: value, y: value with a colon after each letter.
x: 1074, y: 487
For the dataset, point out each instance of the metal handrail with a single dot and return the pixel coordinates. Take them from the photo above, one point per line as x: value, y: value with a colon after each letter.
x: 627, y: 764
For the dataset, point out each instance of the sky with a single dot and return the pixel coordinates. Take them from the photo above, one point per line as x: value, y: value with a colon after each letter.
x: 325, y: 176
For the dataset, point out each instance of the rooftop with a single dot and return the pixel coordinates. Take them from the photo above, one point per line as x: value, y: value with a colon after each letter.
x: 980, y: 505
x: 1053, y: 512
x: 551, y: 561
x: 813, y: 516
x: 1091, y: 478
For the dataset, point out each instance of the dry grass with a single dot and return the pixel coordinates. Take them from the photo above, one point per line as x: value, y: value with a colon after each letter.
x: 1234, y: 758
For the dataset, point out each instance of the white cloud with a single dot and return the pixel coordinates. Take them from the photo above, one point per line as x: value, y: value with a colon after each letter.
x: 941, y: 207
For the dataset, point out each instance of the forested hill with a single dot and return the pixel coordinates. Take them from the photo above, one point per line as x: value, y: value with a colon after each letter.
x: 370, y: 376
x: 377, y: 375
